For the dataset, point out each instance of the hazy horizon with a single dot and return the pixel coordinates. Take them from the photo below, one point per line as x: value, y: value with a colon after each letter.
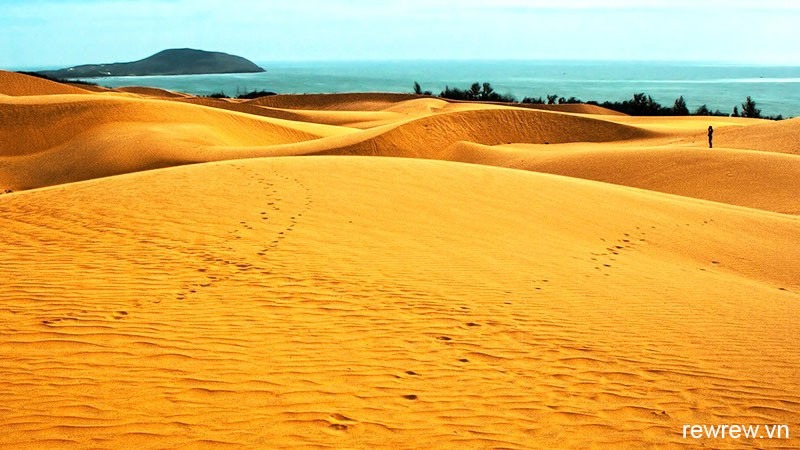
x: 265, y: 63
x: 64, y: 33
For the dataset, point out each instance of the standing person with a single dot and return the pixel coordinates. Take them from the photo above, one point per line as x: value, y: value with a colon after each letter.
x: 710, y: 137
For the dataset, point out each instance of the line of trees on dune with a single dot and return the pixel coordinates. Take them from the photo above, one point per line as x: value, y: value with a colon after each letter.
x: 640, y: 104
x: 477, y: 92
x: 247, y: 95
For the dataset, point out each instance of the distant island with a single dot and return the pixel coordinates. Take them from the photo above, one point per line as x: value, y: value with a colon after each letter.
x: 178, y: 61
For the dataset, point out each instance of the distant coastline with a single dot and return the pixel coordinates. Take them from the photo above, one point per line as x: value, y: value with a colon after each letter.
x: 718, y: 86
x: 182, y: 61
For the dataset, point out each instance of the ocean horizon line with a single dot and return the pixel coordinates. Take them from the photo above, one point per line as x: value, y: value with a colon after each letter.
x: 567, y: 61
x: 718, y: 87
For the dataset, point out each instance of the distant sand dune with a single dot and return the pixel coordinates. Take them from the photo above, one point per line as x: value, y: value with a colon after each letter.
x: 429, y: 137
x: 125, y: 134
x: 576, y: 108
x: 349, y: 119
x: 760, y: 180
x: 93, y: 136
x: 91, y: 87
x: 152, y: 92
x: 335, y: 102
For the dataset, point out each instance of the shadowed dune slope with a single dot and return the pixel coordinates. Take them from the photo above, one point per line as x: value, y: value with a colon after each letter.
x: 49, y: 140
x: 375, y: 112
x: 355, y: 110
x: 326, y: 117
x: 17, y: 84
x: 333, y: 302
x: 241, y: 106
x: 763, y: 180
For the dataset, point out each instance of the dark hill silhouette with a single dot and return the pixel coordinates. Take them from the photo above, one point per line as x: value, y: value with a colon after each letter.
x: 179, y: 61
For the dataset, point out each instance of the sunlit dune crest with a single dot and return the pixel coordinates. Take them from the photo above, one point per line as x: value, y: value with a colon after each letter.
x: 15, y: 84
x: 389, y: 271
x: 783, y: 136
x: 152, y: 92
x: 334, y: 102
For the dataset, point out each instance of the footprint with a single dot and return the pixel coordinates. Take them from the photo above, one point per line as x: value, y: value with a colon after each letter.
x: 119, y: 315
x: 339, y: 422
x: 53, y: 322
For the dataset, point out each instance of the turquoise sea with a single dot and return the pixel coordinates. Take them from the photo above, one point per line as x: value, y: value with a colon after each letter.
x: 720, y: 86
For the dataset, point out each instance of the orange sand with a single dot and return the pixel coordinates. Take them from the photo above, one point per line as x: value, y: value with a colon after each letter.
x: 628, y: 281
x: 15, y: 84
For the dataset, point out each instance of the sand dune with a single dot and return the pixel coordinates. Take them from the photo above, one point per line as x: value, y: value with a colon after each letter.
x: 91, y: 87
x: 242, y: 106
x: 783, y: 136
x: 349, y: 119
x: 92, y: 136
x: 576, y: 109
x: 100, y: 135
x: 760, y: 180
x: 626, y: 282
x: 16, y: 84
x: 431, y: 136
x: 152, y: 92
x: 416, y: 304
x: 335, y: 102
x: 689, y: 129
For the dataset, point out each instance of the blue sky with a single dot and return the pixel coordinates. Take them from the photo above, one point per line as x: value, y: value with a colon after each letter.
x: 38, y: 33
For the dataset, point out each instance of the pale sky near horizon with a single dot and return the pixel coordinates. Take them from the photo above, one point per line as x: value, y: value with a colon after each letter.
x: 41, y: 33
